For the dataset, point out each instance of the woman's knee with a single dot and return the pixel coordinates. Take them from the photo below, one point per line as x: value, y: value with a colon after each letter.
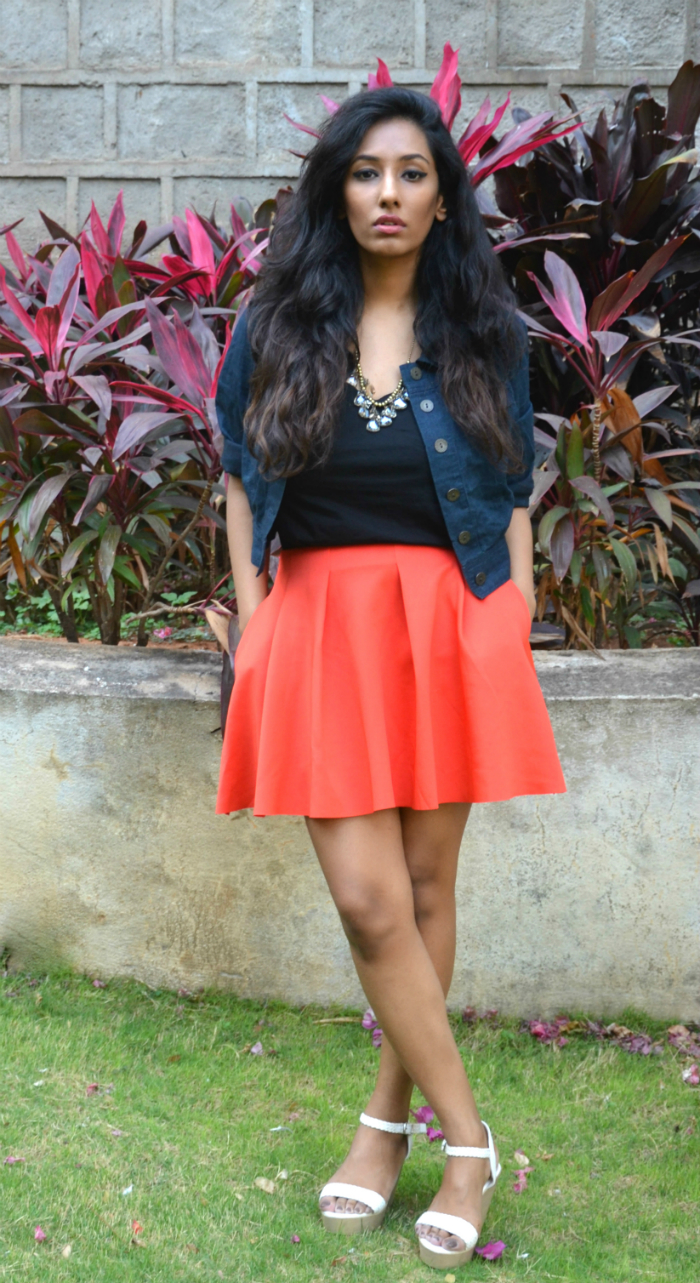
x: 371, y: 921
x: 433, y: 892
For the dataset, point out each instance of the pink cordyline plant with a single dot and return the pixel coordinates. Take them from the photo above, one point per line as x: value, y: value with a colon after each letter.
x: 526, y: 136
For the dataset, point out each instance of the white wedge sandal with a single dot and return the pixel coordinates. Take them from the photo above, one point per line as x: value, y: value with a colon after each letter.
x: 442, y: 1258
x: 356, y: 1222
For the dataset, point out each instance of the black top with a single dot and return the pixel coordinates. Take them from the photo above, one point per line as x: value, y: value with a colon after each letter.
x: 376, y: 487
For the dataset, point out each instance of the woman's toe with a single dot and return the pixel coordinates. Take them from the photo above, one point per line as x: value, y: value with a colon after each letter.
x: 453, y: 1244
x: 327, y: 1203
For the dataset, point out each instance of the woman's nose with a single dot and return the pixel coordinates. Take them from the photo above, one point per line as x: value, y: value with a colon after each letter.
x: 388, y: 194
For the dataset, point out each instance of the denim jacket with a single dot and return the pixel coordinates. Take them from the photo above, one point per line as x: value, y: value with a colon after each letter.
x: 476, y: 496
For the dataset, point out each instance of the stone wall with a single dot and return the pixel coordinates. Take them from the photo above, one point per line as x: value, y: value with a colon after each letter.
x: 181, y: 102
x: 113, y: 861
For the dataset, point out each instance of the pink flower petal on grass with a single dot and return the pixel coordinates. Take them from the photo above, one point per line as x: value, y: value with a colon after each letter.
x: 11, y: 1159
x: 369, y: 1019
x: 91, y: 1089
x: 521, y: 1179
x: 99, y: 984
x: 424, y: 1114
x: 39, y: 1234
x: 257, y: 1049
x: 376, y: 1037
x: 434, y: 1133
x: 295, y: 1238
x: 491, y: 1251
x: 691, y: 1076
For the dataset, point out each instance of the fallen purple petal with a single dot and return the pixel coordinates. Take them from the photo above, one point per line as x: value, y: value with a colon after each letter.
x: 257, y: 1049
x: 116, y: 1131
x: 691, y: 1076
x: 424, y: 1114
x: 99, y: 984
x: 11, y: 1159
x: 162, y: 633
x: 295, y: 1238
x: 376, y: 1037
x: 434, y: 1133
x: 91, y: 1089
x: 492, y: 1251
x: 369, y: 1019
x: 469, y: 1015
x: 39, y: 1234
x: 521, y: 1176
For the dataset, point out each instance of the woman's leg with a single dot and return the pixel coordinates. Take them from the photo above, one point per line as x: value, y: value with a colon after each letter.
x: 364, y: 862
x: 431, y: 842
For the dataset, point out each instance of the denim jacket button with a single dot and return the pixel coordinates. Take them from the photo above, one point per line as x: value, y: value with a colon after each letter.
x: 480, y: 578
x: 441, y: 445
x: 464, y: 536
x: 416, y: 372
x: 426, y: 406
x: 452, y: 494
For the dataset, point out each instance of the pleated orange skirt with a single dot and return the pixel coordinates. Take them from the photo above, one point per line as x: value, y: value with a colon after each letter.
x: 371, y: 677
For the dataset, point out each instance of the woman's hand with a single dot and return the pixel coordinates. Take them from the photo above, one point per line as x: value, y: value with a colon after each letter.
x: 527, y: 588
x: 519, y: 540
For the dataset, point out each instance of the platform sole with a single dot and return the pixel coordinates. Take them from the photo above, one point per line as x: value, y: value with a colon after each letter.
x: 352, y: 1224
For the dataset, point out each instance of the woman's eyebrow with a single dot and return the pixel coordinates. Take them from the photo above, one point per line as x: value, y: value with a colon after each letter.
x: 414, y: 155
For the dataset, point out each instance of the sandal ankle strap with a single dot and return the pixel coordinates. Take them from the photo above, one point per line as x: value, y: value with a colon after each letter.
x: 472, y: 1151
x: 398, y: 1129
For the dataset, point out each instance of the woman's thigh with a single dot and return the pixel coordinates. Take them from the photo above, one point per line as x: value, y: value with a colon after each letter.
x: 364, y: 864
x: 431, y: 843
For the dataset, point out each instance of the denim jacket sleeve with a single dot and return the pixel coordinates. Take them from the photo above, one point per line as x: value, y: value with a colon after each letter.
x: 232, y: 395
x: 520, y: 482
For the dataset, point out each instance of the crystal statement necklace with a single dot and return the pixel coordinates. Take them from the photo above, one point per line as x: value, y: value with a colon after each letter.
x: 378, y: 414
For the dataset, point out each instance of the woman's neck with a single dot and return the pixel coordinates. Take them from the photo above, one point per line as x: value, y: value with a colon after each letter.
x: 389, y: 282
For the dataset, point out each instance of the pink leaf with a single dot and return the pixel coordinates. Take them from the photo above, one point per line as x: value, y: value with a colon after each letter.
x: 182, y: 234
x: 445, y: 90
x: 609, y: 341
x: 15, y: 306
x: 180, y: 354
x: 16, y: 254
x: 491, y: 1251
x: 305, y: 129
x: 47, y: 324
x: 92, y: 271
x: 238, y: 227
x: 567, y: 303
x: 329, y: 105
x: 202, y: 249
x: 115, y: 226
x: 39, y: 1234
x: 480, y: 129
x: 100, y: 239
x: 382, y: 78
x: 257, y: 1049
x: 527, y: 136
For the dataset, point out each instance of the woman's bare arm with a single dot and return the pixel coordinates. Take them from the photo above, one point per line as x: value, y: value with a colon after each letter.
x: 251, y: 588
x: 519, y: 540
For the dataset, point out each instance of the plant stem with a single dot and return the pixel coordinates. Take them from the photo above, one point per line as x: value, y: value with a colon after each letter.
x: 597, y: 414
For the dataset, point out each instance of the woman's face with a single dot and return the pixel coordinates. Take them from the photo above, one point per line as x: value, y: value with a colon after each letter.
x: 391, y: 190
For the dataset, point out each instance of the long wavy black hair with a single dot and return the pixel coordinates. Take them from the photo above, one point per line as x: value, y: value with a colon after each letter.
x: 308, y: 300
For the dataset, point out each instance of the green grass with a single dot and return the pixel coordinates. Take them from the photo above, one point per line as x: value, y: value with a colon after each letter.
x: 618, y: 1200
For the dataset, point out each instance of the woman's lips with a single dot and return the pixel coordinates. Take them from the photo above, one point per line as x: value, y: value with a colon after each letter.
x: 390, y: 226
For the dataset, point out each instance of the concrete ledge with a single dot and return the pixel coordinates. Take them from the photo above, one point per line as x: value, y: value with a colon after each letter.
x: 112, y: 860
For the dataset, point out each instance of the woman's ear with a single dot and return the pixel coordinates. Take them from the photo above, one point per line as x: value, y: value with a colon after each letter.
x: 441, y: 211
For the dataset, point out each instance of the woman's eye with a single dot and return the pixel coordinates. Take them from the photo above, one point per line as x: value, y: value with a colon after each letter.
x: 364, y: 174
x: 413, y: 174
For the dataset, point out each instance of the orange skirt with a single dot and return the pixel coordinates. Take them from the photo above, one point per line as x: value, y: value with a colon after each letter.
x: 372, y: 677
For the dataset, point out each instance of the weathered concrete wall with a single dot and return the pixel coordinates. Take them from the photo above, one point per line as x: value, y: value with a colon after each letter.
x: 181, y: 101
x: 111, y: 857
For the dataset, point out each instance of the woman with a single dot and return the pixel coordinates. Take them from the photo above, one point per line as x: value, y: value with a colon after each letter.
x: 375, y: 408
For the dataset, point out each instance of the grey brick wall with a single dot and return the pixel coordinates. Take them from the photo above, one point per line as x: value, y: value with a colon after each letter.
x: 180, y: 102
